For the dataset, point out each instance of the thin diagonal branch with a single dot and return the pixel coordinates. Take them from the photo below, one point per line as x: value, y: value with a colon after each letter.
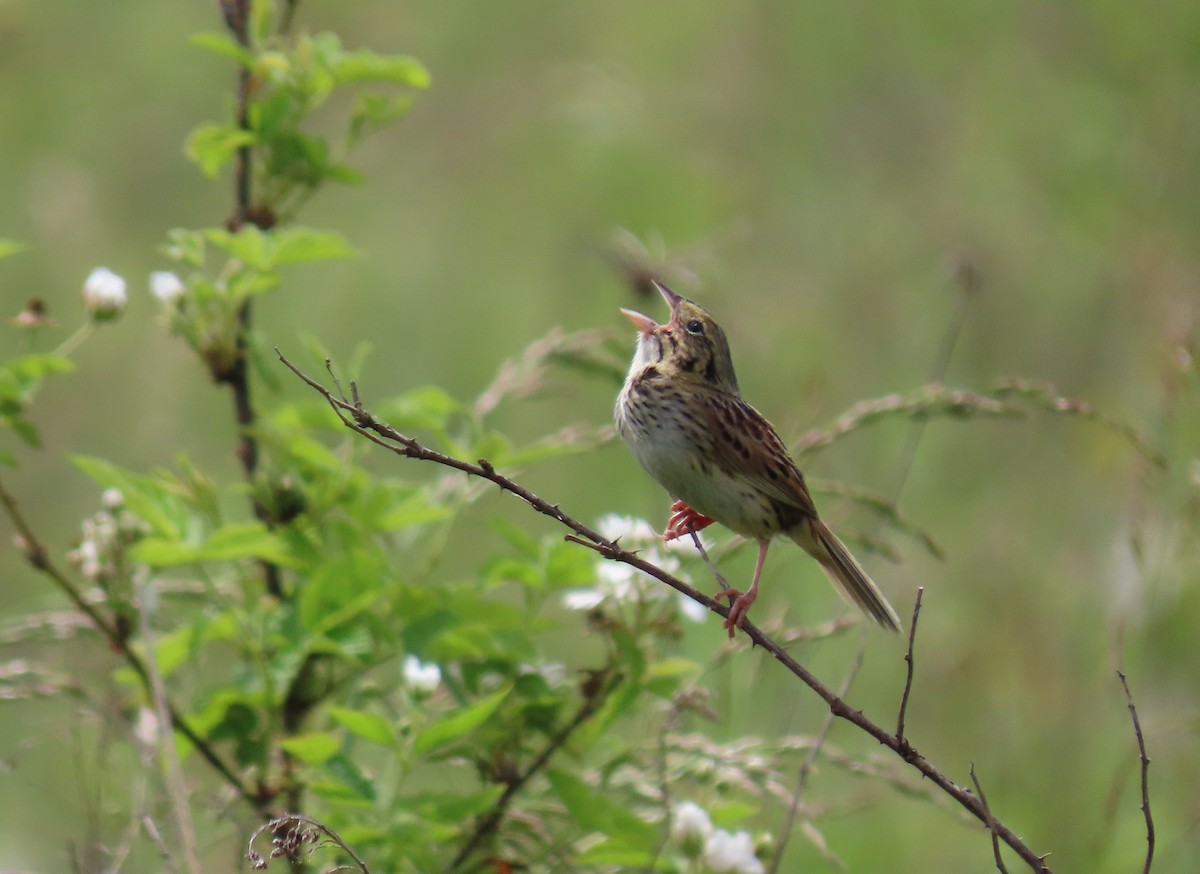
x: 908, y: 658
x: 39, y: 558
x: 990, y: 822
x: 601, y: 685
x: 355, y: 417
x: 806, y: 768
x: 1145, y: 762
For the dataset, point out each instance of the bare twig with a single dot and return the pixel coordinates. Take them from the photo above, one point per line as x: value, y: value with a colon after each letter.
x: 356, y: 418
x: 38, y: 556
x: 908, y: 658
x: 721, y: 581
x: 806, y: 768
x: 990, y: 822
x: 172, y: 773
x: 598, y: 689
x: 1145, y: 762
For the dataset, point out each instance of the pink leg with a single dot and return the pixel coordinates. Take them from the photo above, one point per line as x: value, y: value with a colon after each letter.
x: 684, y: 520
x: 741, y: 602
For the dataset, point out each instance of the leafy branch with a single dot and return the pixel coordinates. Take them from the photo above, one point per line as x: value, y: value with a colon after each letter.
x: 351, y: 412
x: 39, y: 558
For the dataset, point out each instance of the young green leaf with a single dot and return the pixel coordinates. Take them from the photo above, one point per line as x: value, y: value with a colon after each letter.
x: 458, y: 724
x: 369, y: 726
x: 313, y: 748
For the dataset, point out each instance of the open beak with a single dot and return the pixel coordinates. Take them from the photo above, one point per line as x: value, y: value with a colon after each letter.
x: 645, y: 324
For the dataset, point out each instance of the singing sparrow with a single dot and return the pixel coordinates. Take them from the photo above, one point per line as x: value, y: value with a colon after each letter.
x: 681, y: 413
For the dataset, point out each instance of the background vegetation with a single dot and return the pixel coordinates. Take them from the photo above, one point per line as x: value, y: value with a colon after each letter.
x: 833, y: 179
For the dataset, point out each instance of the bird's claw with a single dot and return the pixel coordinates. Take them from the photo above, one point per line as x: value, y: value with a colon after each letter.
x: 684, y: 520
x: 739, y: 606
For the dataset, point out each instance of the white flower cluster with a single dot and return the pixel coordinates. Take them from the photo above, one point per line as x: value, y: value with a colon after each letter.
x: 621, y: 583
x: 105, y: 538
x: 722, y: 852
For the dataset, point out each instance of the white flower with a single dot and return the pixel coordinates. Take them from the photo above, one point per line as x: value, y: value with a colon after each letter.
x: 583, y: 599
x: 727, y: 853
x: 87, y: 558
x: 421, y: 676
x: 691, y: 828
x: 166, y: 286
x: 104, y: 295
x: 622, y: 583
x: 145, y: 728
x: 693, y: 610
x: 111, y: 499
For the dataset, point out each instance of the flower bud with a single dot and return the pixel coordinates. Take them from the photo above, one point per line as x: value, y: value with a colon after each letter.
x: 104, y: 295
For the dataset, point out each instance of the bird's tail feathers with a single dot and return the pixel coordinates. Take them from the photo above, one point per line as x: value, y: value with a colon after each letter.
x: 846, y: 574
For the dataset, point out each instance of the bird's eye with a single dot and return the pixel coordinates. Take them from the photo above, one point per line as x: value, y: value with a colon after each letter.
x: 695, y: 326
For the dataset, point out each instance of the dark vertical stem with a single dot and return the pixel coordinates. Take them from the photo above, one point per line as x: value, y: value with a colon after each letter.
x: 237, y: 376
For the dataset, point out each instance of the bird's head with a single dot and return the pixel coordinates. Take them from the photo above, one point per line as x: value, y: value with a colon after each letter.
x: 690, y: 347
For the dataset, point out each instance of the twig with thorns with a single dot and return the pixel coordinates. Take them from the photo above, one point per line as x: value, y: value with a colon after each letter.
x: 355, y: 417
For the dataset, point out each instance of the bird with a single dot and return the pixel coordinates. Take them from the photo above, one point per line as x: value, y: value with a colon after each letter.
x: 682, y: 415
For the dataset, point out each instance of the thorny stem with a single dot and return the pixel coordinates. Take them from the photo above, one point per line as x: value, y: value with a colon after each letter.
x: 237, y: 374
x: 601, y: 684
x: 355, y: 417
x: 908, y: 658
x: 990, y: 822
x: 38, y: 556
x: 806, y: 768
x: 1145, y: 763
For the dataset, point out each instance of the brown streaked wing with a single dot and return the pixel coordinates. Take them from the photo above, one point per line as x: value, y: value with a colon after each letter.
x: 745, y: 445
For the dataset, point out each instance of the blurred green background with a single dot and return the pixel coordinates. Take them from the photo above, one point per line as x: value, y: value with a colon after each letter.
x: 828, y: 172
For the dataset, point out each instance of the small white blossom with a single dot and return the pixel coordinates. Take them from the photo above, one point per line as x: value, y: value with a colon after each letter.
x: 692, y: 610
x: 691, y: 828
x: 583, y: 599
x: 727, y: 853
x: 622, y: 583
x: 87, y: 558
x: 421, y: 676
x: 166, y: 286
x: 145, y: 728
x: 111, y: 499
x: 104, y: 295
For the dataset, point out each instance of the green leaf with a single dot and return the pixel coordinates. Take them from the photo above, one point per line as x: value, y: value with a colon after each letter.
x: 364, y: 65
x: 230, y: 543
x: 453, y: 808
x: 458, y: 724
x: 343, y: 769
x: 212, y: 146
x: 369, y: 726
x: 594, y: 812
x: 664, y: 677
x: 265, y: 250
x: 312, y: 748
x: 426, y: 407
x: 295, y: 245
x: 515, y: 536
x: 416, y: 510
x: 144, y: 496
x: 615, y: 854
x: 10, y: 247
x: 185, y: 246
x: 225, y: 45
x: 31, y: 367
